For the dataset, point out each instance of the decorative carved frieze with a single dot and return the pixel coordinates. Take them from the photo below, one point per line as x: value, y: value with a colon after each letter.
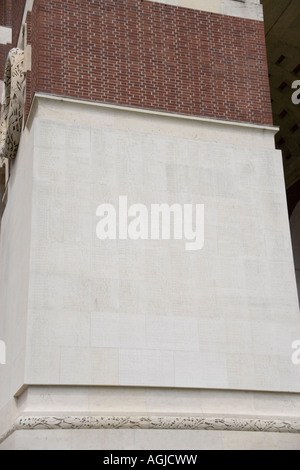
x: 12, y: 105
x: 152, y: 422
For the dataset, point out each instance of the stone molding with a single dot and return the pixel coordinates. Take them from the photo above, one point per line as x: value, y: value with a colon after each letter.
x: 34, y: 423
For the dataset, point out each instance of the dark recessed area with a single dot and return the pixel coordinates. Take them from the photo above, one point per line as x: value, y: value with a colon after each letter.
x: 282, y: 86
x: 294, y: 128
x: 281, y: 59
x: 297, y: 69
x: 283, y: 114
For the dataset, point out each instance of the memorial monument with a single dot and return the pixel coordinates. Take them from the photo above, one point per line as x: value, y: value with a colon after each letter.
x: 134, y: 342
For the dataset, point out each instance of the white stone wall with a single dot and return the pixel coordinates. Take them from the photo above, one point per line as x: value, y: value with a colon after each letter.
x: 75, y: 310
x: 250, y: 9
x: 148, y: 312
x: 15, y: 240
x: 5, y: 35
x: 295, y: 230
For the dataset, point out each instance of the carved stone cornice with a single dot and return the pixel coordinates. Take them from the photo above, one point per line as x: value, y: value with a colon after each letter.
x: 152, y: 422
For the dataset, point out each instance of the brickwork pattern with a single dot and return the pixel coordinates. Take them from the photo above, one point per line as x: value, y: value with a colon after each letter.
x: 150, y: 55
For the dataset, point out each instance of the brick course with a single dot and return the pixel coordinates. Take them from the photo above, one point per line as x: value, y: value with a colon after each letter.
x: 150, y: 55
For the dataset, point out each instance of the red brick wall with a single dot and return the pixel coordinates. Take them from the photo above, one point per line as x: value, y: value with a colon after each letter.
x: 5, y: 20
x: 144, y: 54
x: 11, y: 14
x: 32, y: 38
x: 17, y: 16
x: 6, y: 12
x: 2, y: 13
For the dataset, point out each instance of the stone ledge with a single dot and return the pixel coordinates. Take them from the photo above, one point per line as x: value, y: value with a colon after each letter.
x: 151, y: 422
x: 248, y: 9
